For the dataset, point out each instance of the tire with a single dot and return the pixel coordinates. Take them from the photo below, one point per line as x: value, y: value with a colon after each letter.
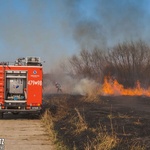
x: 1, y: 115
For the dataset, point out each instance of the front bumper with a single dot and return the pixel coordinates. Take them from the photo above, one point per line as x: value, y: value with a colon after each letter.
x: 21, y: 110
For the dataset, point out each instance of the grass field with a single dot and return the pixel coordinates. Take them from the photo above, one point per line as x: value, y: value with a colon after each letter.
x: 76, y: 122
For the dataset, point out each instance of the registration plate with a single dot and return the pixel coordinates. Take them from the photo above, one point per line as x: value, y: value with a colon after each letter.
x: 35, y: 108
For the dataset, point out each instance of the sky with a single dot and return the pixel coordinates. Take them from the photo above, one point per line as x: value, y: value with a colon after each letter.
x: 57, y: 29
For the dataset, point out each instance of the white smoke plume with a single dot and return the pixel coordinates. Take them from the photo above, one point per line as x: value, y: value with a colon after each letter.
x: 85, y: 87
x: 69, y: 85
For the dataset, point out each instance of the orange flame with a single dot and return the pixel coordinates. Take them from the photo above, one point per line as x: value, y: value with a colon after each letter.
x: 112, y: 87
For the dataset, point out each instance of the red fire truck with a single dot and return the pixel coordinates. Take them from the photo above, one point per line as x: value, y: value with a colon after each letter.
x: 21, y: 86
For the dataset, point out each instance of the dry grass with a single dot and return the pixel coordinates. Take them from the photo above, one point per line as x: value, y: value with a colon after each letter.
x: 48, y: 122
x: 79, y: 124
x: 103, y: 141
x: 93, y: 95
x: 107, y: 142
x: 124, y: 116
x: 137, y: 146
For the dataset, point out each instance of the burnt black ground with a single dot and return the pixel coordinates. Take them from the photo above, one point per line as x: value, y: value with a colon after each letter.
x: 130, y: 117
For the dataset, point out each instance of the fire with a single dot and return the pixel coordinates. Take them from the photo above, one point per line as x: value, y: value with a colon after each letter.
x: 112, y: 87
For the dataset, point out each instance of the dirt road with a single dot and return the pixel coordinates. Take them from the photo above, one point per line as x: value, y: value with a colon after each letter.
x: 22, y: 133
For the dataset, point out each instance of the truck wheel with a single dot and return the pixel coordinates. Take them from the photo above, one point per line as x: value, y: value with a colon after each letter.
x: 1, y: 115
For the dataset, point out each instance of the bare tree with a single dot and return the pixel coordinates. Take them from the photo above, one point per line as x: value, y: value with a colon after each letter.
x: 88, y: 64
x: 98, y: 63
x: 129, y: 62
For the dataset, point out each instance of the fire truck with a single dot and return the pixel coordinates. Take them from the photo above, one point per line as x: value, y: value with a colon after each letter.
x: 21, y: 86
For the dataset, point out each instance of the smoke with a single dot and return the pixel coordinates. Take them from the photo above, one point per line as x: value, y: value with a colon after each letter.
x: 101, y: 24
x: 72, y: 86
x: 104, y: 23
x: 33, y: 28
x: 124, y: 20
x: 57, y: 29
x: 69, y: 84
x: 85, y: 87
x: 90, y: 34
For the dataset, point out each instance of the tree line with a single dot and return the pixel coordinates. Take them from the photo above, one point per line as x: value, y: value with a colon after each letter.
x: 127, y: 62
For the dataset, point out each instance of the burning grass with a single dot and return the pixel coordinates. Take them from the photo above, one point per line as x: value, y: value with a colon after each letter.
x: 75, y: 122
x: 112, y: 87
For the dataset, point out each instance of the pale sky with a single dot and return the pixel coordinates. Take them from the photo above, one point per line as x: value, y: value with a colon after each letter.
x: 57, y: 29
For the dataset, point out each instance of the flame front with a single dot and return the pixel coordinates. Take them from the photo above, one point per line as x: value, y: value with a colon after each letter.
x: 112, y: 87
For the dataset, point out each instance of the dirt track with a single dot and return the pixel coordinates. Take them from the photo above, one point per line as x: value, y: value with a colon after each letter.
x: 22, y: 133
